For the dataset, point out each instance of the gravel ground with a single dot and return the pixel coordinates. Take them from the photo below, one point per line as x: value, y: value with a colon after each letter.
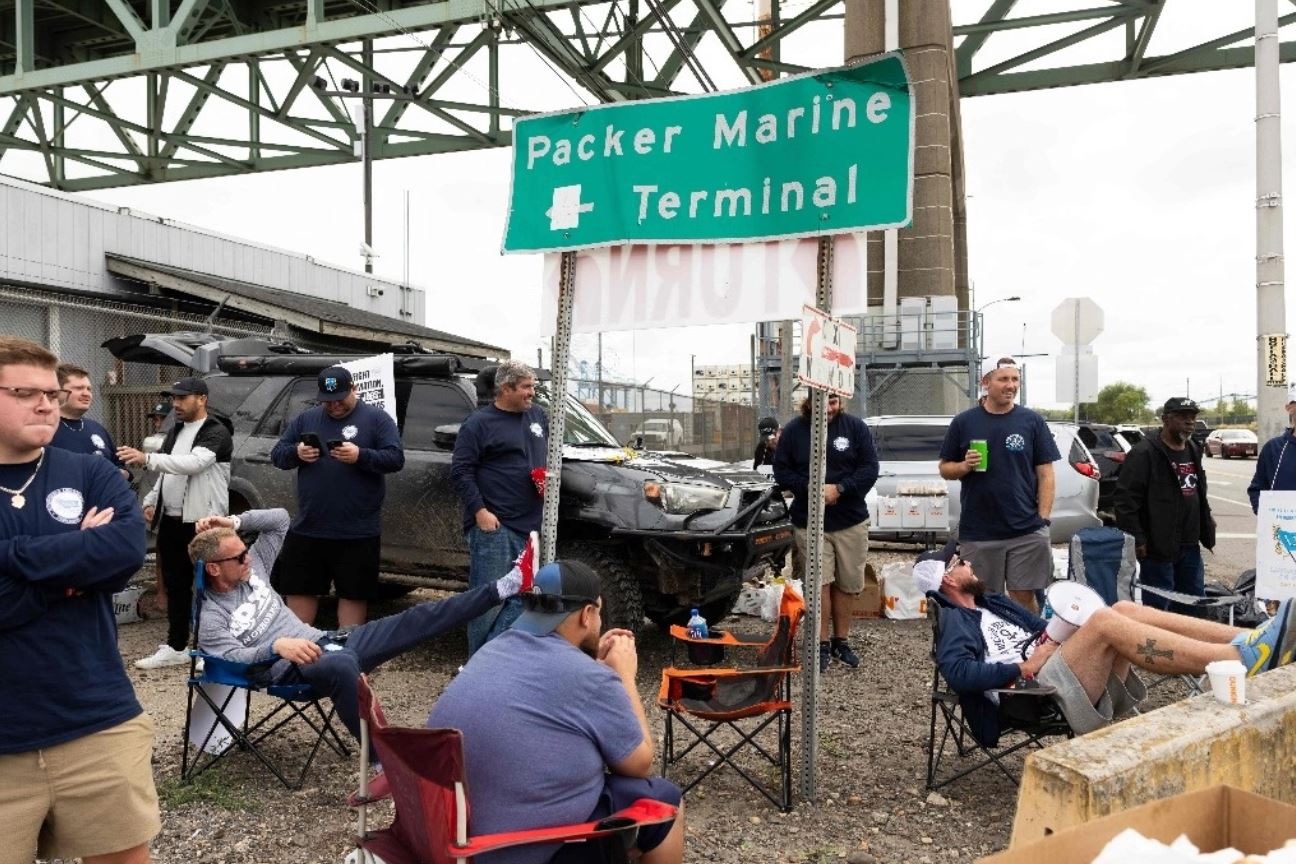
x: 872, y: 804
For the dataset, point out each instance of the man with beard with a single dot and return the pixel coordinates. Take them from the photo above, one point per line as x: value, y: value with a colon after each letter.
x: 342, y: 450
x: 1006, y: 496
x: 852, y: 469
x: 193, y: 469
x: 1161, y: 501
x: 76, y: 431
x: 988, y: 641
x: 553, y: 728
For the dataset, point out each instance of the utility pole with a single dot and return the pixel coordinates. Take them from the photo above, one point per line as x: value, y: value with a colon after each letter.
x: 366, y: 155
x: 1271, y: 311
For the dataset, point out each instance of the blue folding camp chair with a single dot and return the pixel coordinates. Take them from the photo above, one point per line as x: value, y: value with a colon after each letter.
x: 295, y: 702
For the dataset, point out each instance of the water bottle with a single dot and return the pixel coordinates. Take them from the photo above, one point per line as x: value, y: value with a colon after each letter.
x: 697, y: 626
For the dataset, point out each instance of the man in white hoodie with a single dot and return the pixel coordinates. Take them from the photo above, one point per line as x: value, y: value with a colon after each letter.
x: 193, y: 482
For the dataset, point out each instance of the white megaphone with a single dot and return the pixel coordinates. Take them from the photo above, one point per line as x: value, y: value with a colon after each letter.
x: 1072, y: 604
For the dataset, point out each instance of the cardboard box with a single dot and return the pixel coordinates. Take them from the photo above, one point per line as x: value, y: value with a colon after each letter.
x: 888, y: 515
x: 868, y: 603
x: 913, y: 512
x: 1214, y: 818
x: 938, y: 513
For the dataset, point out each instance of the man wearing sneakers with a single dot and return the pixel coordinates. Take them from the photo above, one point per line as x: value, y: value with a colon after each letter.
x: 988, y: 642
x: 194, y: 471
x: 851, y: 472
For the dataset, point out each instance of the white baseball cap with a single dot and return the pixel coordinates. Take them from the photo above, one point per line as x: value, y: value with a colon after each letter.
x: 999, y: 361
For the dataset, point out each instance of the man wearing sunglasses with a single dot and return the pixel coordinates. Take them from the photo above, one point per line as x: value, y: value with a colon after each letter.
x: 988, y: 642
x: 245, y: 621
x: 553, y: 727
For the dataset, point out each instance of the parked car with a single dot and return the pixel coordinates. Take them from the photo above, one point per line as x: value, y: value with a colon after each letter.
x: 658, y: 433
x: 908, y: 453
x: 1108, y: 453
x: 1129, y: 436
x: 1228, y: 443
x: 667, y: 532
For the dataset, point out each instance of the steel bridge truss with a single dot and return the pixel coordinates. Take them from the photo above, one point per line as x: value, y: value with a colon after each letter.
x: 103, y: 93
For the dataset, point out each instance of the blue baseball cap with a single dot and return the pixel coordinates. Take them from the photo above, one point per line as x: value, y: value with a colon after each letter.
x: 334, y: 384
x: 558, y: 589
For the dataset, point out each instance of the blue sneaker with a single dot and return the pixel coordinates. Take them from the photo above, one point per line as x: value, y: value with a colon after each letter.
x: 1270, y: 645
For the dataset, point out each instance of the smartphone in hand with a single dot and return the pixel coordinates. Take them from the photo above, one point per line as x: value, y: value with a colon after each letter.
x: 334, y: 443
x: 310, y: 439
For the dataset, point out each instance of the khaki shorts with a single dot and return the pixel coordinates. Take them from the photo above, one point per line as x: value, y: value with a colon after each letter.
x: 844, y: 552
x: 1022, y: 563
x: 89, y: 796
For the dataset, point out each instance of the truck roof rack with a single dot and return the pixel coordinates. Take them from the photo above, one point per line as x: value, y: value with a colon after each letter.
x: 405, y: 365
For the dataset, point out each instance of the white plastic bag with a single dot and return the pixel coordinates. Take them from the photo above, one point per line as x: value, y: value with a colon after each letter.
x: 902, y: 600
x: 773, y: 597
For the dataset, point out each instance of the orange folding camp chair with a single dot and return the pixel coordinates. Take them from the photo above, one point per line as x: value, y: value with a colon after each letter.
x: 746, y: 700
x: 424, y: 775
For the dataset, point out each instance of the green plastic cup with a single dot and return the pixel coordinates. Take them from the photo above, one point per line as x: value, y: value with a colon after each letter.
x: 980, y: 446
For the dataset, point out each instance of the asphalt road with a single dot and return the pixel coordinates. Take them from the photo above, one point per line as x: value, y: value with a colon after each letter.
x: 1226, y: 483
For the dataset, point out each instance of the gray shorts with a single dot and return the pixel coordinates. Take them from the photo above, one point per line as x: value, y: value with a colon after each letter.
x: 1119, y: 699
x: 1022, y: 563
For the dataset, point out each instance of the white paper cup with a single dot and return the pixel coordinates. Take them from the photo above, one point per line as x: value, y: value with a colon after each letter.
x: 1228, y: 681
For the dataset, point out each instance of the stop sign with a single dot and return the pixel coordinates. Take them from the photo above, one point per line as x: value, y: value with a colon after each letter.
x: 1077, y: 321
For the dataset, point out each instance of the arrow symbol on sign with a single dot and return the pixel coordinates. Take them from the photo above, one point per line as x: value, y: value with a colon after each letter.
x: 566, y: 208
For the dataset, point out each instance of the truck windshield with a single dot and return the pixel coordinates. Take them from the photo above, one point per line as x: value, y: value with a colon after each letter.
x: 583, y: 428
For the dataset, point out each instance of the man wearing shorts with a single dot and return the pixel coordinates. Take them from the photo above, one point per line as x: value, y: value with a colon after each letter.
x: 989, y: 642
x: 1005, y: 504
x: 566, y: 746
x: 341, y: 449
x: 75, y: 747
x: 852, y: 470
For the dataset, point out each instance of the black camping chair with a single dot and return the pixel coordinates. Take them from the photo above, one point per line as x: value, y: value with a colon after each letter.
x: 1027, y: 717
x: 294, y: 703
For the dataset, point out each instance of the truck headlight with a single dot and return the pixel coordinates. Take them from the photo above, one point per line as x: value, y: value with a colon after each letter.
x: 684, y: 497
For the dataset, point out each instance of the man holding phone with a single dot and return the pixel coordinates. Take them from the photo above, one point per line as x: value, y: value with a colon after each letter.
x: 340, y: 449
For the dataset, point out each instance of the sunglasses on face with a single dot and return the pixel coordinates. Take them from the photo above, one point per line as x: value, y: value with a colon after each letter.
x: 549, y: 603
x: 956, y: 561
x: 241, y: 558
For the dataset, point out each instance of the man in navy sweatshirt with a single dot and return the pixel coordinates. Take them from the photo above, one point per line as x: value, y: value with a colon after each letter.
x: 76, y: 431
x: 75, y: 747
x: 851, y: 472
x: 341, y: 449
x: 1274, y: 468
x: 498, y: 447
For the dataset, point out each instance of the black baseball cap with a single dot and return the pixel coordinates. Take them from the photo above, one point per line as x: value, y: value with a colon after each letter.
x: 1179, y: 403
x: 334, y: 384
x: 161, y: 409
x: 768, y: 425
x: 187, y: 387
x: 558, y: 589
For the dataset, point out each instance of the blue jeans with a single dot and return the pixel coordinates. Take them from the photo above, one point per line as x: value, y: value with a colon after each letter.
x: 1185, y: 574
x: 337, y: 672
x: 491, y: 555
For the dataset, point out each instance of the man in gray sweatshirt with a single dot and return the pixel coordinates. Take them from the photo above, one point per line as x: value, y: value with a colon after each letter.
x: 245, y: 621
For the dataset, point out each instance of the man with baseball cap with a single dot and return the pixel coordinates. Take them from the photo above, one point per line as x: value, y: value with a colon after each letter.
x: 341, y: 450
x: 989, y: 642
x: 1273, y: 469
x: 1161, y: 501
x: 767, y: 436
x: 1002, y: 454
x: 193, y: 467
x: 553, y: 727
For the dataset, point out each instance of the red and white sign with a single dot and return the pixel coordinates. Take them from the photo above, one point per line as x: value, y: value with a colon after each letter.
x: 827, y: 353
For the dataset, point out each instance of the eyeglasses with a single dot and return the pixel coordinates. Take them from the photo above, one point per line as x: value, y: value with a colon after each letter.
x: 29, y: 397
x: 241, y: 558
x: 550, y: 603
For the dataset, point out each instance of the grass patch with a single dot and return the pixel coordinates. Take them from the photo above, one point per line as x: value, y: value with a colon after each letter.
x: 211, y: 788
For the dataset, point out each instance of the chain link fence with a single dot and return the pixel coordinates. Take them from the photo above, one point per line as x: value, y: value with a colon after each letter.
x: 74, y: 327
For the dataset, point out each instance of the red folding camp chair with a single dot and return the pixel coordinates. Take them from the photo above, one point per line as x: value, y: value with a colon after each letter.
x: 423, y: 773
x: 761, y: 695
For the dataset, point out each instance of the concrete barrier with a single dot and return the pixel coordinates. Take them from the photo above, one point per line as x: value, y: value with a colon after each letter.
x: 1179, y: 748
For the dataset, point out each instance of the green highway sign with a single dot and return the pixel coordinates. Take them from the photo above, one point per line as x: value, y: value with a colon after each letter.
x: 821, y: 153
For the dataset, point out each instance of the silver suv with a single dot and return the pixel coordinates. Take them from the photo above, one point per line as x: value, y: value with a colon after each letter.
x: 909, y: 454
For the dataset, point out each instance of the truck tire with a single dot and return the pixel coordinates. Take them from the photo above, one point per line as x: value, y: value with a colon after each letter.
x: 622, y: 602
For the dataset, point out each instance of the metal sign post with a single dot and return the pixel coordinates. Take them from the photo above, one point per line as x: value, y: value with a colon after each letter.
x: 557, y: 415
x: 814, y: 550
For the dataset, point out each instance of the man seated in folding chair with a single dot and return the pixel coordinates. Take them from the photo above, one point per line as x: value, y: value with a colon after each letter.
x: 246, y: 621
x: 989, y: 642
x: 553, y: 728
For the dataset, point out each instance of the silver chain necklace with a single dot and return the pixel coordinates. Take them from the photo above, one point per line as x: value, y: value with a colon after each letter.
x: 68, y: 423
x: 17, y: 501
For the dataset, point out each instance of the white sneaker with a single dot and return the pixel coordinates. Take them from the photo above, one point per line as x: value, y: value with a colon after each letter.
x: 164, y: 656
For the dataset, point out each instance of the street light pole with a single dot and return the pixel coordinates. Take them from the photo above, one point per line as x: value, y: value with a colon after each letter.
x: 366, y: 141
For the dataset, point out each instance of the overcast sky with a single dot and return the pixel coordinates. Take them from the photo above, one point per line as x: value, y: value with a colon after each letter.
x: 1139, y: 195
